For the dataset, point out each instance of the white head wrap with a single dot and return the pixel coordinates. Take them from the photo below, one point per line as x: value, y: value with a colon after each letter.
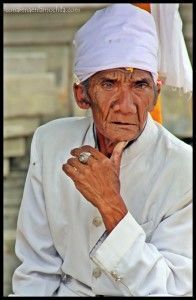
x: 121, y: 35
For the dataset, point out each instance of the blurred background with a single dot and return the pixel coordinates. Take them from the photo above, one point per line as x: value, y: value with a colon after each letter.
x: 38, y: 59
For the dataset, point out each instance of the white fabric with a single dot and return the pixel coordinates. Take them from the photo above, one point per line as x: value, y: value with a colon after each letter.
x: 150, y: 250
x: 174, y: 61
x: 120, y: 35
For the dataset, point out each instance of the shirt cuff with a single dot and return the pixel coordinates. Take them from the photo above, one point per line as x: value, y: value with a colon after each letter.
x: 111, y: 248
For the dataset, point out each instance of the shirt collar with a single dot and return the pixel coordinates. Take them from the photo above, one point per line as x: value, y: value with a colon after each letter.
x: 146, y: 139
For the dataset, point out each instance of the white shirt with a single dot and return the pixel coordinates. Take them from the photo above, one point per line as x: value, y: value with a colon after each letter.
x: 149, y: 251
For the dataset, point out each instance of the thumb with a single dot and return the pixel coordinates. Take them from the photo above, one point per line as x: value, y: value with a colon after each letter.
x: 117, y: 154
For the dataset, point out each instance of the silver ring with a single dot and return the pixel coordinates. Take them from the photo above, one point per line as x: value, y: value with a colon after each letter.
x: 83, y: 157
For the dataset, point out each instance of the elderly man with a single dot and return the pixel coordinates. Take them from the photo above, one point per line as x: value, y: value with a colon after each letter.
x: 107, y: 201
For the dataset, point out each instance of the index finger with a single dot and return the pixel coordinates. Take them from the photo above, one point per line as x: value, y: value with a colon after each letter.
x: 95, y: 153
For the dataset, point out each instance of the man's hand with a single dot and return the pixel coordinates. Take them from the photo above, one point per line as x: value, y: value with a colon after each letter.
x: 98, y: 181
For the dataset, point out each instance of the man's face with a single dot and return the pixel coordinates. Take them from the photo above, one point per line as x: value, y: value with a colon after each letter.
x: 120, y: 100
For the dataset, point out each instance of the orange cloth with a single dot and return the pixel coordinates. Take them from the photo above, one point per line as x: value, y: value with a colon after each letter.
x: 145, y: 6
x: 156, y: 113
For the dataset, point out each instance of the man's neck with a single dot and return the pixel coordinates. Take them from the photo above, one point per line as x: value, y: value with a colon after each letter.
x: 104, y: 144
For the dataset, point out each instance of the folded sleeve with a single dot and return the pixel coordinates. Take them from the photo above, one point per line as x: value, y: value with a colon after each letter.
x: 39, y: 273
x: 161, y: 267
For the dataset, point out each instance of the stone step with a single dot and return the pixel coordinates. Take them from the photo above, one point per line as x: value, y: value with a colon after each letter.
x: 13, y: 197
x: 9, y: 238
x: 20, y: 127
x: 13, y: 187
x: 10, y: 183
x: 10, y: 261
x: 20, y: 163
x: 10, y: 217
x: 58, y: 58
x: 14, y: 147
x: 6, y: 167
x: 44, y: 37
x: 15, y: 63
x: 15, y: 177
x: 30, y: 95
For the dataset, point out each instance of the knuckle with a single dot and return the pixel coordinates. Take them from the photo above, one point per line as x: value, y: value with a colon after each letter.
x: 64, y: 167
x: 94, y: 165
x: 71, y: 160
x: 78, y: 180
x: 68, y: 161
x: 86, y: 171
x: 74, y: 151
x: 86, y: 148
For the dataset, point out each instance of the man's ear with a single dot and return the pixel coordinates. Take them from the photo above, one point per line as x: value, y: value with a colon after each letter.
x: 157, y: 92
x: 80, y: 96
x: 159, y: 84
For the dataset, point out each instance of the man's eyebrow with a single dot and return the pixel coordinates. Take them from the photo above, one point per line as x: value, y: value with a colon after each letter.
x: 107, y: 77
x: 114, y: 77
x: 142, y: 79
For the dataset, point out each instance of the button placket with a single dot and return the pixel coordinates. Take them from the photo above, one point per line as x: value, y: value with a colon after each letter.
x: 115, y: 276
x: 97, y: 272
x: 97, y: 221
x: 96, y: 228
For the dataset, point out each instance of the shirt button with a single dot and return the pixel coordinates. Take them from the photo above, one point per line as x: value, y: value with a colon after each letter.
x: 97, y: 272
x: 97, y: 221
x: 116, y: 276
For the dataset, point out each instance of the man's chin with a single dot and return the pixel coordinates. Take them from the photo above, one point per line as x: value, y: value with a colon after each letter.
x: 124, y: 138
x: 124, y: 135
x: 116, y: 135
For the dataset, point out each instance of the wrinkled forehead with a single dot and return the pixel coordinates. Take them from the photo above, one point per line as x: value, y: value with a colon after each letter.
x: 122, y: 73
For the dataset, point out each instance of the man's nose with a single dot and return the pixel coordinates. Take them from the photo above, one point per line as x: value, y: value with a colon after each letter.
x: 125, y: 102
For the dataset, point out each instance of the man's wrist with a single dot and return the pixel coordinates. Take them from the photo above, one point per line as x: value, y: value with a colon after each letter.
x: 113, y: 213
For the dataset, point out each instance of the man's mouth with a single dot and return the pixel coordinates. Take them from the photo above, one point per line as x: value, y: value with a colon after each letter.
x: 123, y: 123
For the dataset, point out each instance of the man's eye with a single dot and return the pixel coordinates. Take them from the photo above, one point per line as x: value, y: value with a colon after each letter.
x: 141, y: 84
x: 107, y: 84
